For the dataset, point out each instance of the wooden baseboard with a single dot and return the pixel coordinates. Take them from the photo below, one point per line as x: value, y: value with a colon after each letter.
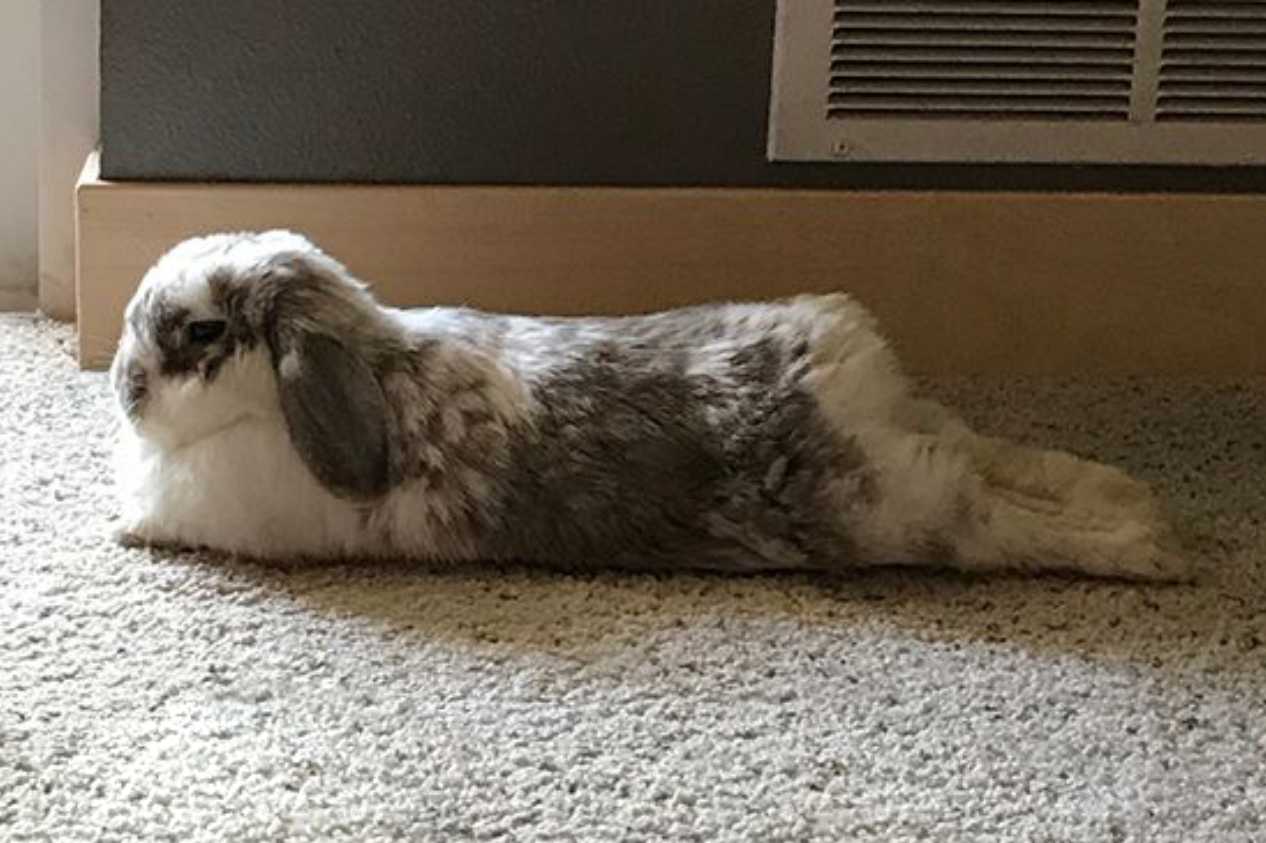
x: 1028, y: 284
x: 18, y: 301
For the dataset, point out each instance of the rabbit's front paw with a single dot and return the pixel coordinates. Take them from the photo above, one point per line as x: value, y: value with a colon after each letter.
x: 134, y: 534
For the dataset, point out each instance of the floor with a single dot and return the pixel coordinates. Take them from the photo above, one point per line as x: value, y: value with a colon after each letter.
x: 158, y: 696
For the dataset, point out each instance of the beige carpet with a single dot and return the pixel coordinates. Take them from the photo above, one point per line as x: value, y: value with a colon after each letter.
x: 148, y: 696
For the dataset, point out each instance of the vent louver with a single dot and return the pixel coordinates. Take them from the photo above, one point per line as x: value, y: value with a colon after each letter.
x: 1012, y: 59
x: 1213, y: 64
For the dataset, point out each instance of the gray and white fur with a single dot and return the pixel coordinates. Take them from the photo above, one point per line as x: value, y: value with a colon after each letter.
x: 271, y: 407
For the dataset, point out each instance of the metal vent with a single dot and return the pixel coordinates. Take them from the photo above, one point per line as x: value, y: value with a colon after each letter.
x: 1213, y: 64
x: 1024, y: 81
x: 998, y: 60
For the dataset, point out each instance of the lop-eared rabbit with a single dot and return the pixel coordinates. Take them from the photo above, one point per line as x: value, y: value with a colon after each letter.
x: 272, y: 408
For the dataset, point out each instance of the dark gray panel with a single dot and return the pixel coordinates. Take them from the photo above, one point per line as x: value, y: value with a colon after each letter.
x: 652, y: 92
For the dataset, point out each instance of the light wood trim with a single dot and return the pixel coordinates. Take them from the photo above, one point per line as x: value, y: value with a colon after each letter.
x: 17, y: 301
x: 963, y: 282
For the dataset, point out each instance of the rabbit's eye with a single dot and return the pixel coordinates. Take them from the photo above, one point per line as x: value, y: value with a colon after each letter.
x: 205, y: 331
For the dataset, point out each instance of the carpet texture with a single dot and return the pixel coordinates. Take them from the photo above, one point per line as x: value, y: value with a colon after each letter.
x: 157, y: 696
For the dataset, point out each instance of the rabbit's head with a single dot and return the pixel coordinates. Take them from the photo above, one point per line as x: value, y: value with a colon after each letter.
x: 260, y: 328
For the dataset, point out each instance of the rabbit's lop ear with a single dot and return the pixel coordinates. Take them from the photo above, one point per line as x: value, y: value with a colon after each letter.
x: 336, y: 413
x: 333, y: 403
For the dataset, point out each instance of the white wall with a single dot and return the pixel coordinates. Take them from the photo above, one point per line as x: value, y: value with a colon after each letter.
x: 49, y: 84
x: 19, y: 133
x: 69, y: 118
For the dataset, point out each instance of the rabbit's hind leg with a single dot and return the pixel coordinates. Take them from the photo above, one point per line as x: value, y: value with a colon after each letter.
x: 987, y: 504
x: 1096, y: 517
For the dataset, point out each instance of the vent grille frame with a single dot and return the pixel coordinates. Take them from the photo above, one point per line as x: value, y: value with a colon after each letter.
x: 928, y: 92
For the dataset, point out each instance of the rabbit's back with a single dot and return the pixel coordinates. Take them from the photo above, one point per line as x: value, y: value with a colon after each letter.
x: 687, y: 438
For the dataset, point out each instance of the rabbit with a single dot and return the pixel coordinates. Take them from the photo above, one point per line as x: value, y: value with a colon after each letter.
x: 271, y: 408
